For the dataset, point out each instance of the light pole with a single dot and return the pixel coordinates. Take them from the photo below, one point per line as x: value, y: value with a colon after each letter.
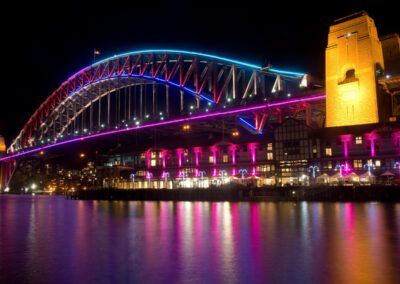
x: 166, y: 176
x: 222, y: 173
x: 314, y: 169
x: 397, y: 166
x: 149, y: 175
x: 243, y: 172
x: 340, y: 169
x: 202, y: 174
x: 369, y: 167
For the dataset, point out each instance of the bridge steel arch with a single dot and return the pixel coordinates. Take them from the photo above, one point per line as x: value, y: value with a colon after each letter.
x: 147, y: 86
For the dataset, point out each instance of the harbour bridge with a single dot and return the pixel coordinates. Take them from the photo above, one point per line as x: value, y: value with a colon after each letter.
x: 159, y: 89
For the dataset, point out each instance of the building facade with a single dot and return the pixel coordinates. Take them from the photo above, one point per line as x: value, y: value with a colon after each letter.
x: 295, y: 155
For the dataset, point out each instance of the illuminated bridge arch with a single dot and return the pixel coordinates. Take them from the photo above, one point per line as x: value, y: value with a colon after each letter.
x: 145, y: 87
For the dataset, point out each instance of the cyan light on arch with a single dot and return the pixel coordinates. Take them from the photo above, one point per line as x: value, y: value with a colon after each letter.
x: 194, y: 53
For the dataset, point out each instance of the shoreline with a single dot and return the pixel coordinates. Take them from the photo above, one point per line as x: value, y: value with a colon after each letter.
x: 337, y: 193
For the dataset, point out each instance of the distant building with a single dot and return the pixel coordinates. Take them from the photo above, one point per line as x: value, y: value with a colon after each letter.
x: 391, y: 53
x: 2, y: 146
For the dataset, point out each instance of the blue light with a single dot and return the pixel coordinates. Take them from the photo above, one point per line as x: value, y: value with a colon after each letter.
x: 290, y: 73
x: 192, y: 92
x: 249, y: 125
x: 249, y: 65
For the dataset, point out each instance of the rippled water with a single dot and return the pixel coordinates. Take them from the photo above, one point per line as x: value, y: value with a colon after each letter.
x: 47, y: 239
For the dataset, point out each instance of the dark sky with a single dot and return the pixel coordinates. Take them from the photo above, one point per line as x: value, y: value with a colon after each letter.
x: 45, y: 44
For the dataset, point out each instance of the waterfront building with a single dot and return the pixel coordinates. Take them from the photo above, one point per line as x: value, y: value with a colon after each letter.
x: 359, y: 145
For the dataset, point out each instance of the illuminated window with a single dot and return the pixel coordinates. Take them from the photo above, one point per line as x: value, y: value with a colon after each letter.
x: 358, y: 140
x: 153, y: 155
x: 314, y: 149
x: 225, y: 158
x: 358, y: 164
x: 269, y: 147
x: 328, y: 151
x: 369, y: 162
x: 378, y: 163
x: 270, y: 156
x: 153, y: 163
x: 235, y: 133
x: 142, y: 155
x: 160, y: 155
x: 211, y: 159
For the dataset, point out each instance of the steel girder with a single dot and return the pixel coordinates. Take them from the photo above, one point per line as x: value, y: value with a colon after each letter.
x: 212, y: 81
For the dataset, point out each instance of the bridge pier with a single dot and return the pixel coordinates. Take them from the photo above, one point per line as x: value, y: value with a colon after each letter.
x: 6, y: 171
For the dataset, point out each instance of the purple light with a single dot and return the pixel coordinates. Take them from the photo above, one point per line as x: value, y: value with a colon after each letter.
x: 167, y: 122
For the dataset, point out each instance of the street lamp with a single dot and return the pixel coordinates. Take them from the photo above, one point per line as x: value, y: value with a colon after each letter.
x: 314, y: 169
x: 369, y: 167
x: 397, y: 165
x: 243, y: 172
x: 165, y: 176
x: 340, y: 168
x: 222, y: 173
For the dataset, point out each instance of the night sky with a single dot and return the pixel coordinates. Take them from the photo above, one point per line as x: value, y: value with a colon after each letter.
x: 45, y: 44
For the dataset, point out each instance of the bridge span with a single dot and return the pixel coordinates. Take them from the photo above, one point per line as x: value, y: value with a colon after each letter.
x: 157, y: 88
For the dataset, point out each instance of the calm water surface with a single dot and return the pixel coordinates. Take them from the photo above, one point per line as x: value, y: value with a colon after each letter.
x: 47, y: 239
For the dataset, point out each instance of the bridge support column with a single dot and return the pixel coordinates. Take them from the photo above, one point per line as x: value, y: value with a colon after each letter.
x: 181, y: 92
x: 167, y: 100
x: 6, y: 171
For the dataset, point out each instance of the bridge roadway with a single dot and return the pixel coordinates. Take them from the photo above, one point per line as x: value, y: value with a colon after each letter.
x: 176, y: 121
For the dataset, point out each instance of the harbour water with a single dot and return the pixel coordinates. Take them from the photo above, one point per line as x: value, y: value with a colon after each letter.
x: 47, y: 239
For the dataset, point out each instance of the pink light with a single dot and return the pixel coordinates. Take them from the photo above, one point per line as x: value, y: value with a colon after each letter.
x: 234, y: 172
x: 148, y: 160
x: 149, y: 175
x: 169, y: 122
x: 197, y: 150
x: 253, y: 171
x: 372, y: 137
x: 347, y: 168
x: 372, y: 148
x: 345, y: 140
x: 252, y: 147
x: 233, y: 149
x: 214, y: 174
x: 179, y: 152
x: 163, y: 157
x: 196, y: 172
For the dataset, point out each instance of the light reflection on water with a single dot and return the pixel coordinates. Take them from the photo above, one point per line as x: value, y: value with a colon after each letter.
x: 51, y: 240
